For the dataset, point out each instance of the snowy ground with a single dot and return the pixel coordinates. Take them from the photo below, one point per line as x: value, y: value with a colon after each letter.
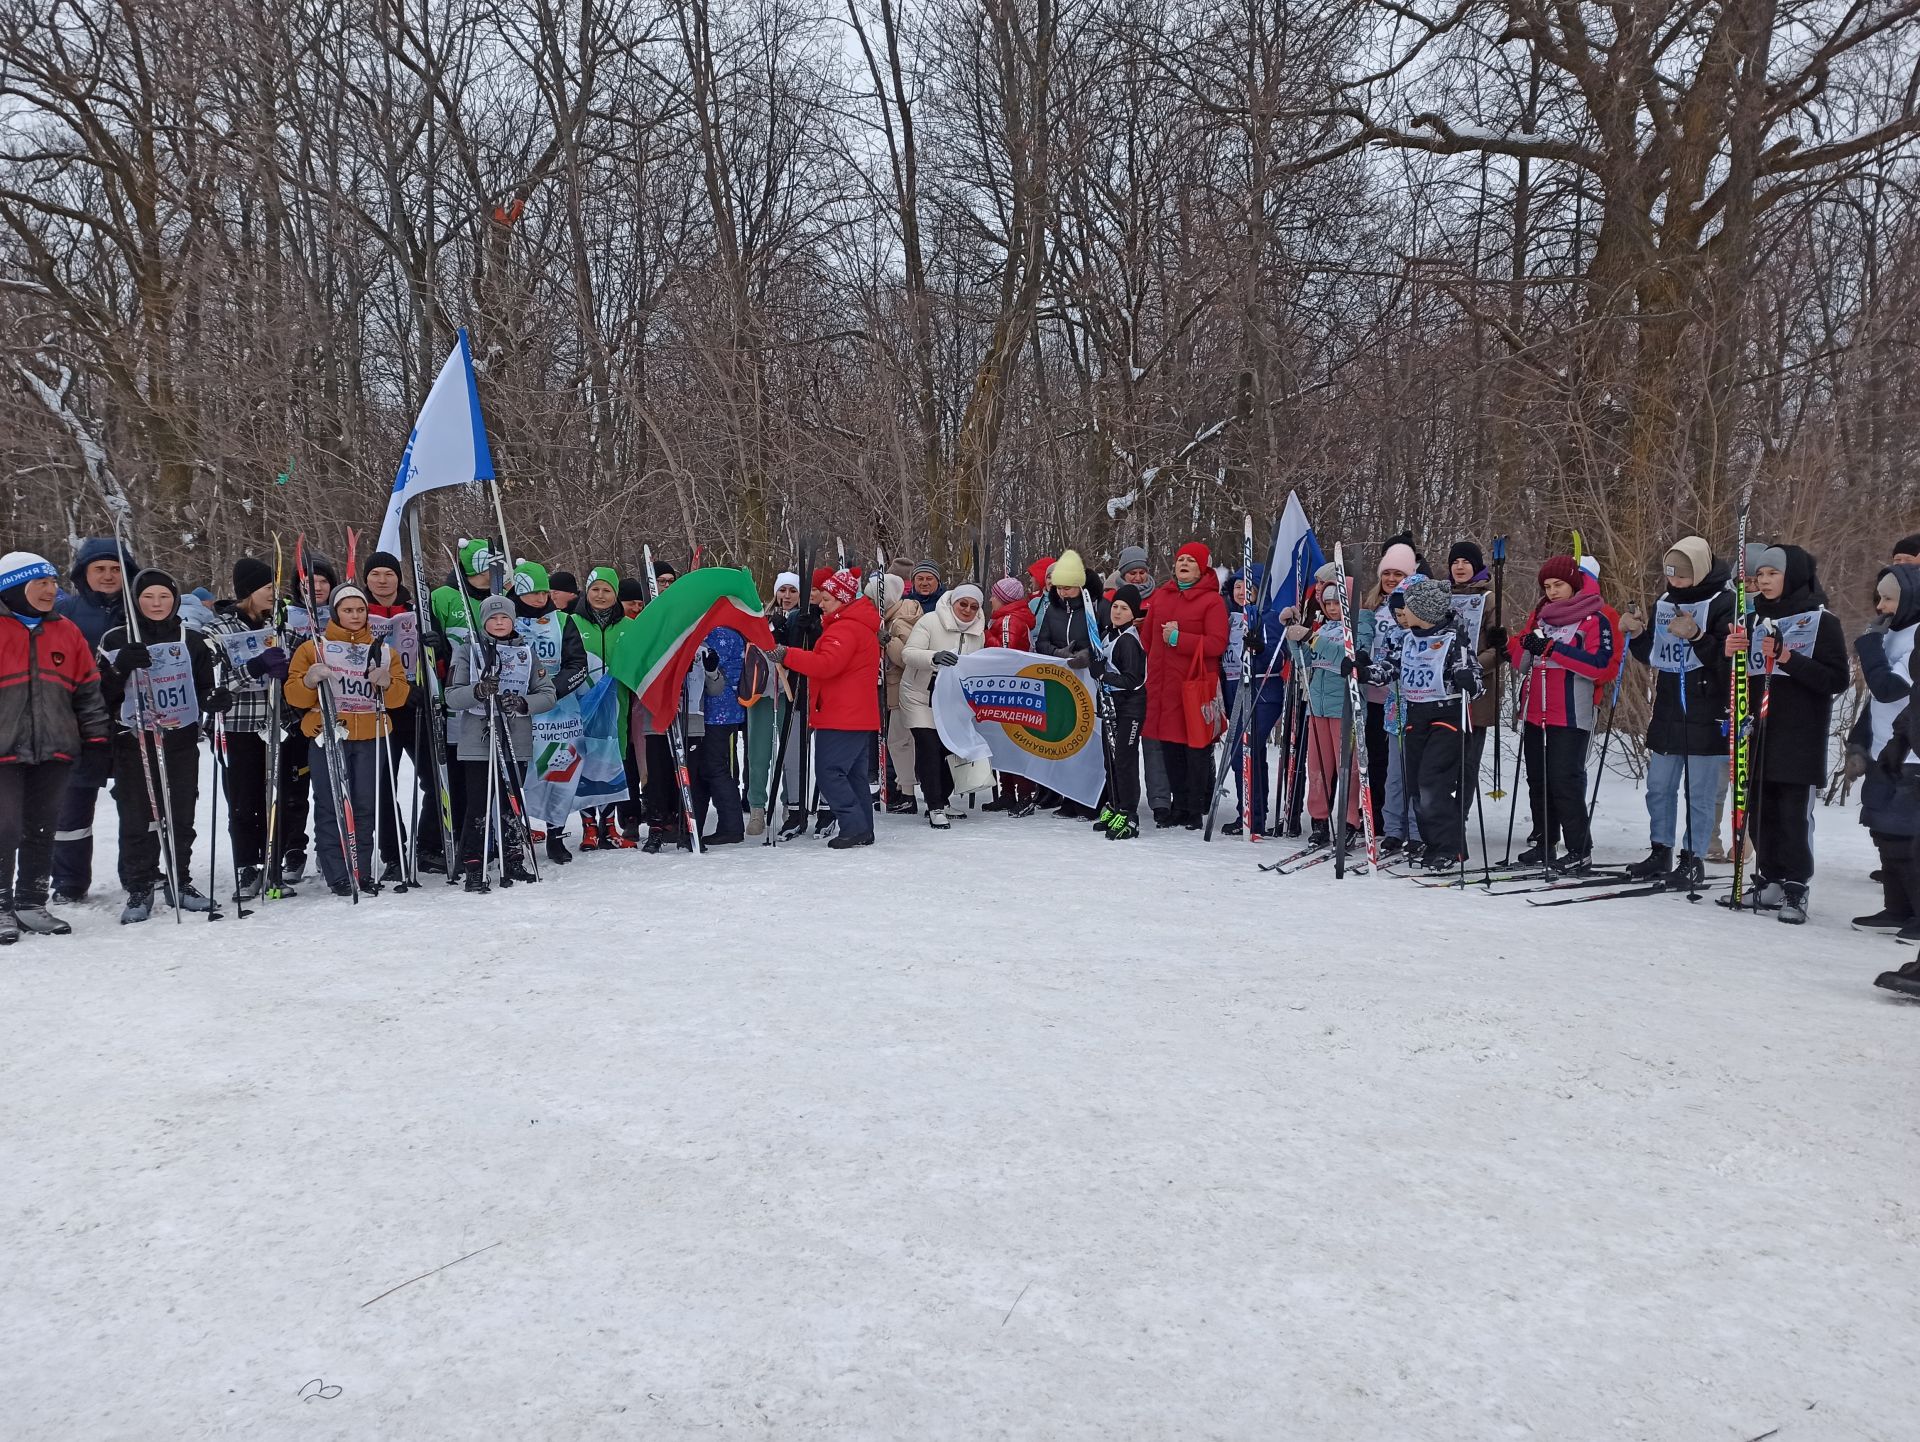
x: 1006, y: 1133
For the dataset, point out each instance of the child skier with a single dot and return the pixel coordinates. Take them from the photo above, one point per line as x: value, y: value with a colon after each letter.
x: 1320, y: 656
x: 156, y: 678
x: 1434, y: 670
x: 357, y: 673
x: 494, y: 666
x: 1123, y: 676
x: 558, y: 647
x: 249, y: 725
x: 51, y: 714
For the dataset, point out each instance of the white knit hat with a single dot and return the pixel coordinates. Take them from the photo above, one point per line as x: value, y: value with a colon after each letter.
x: 19, y: 567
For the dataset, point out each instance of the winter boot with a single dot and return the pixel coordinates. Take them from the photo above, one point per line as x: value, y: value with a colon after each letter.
x: 516, y: 870
x: 937, y: 819
x: 847, y: 843
x: 1002, y: 801
x: 248, y: 884
x: 40, y: 921
x: 557, y: 851
x: 1416, y: 853
x: 1659, y: 863
x: 476, y: 877
x: 1574, y: 863
x: 190, y: 897
x: 1390, y: 845
x: 1886, y: 922
x: 1104, y: 818
x: 1909, y: 935
x: 71, y: 898
x: 907, y: 806
x: 1023, y: 808
x: 1793, y: 903
x: 1534, y: 855
x: 757, y: 821
x: 1235, y: 827
x: 822, y: 823
x: 1321, y: 834
x: 1689, y: 872
x: 293, y: 867
x: 431, y: 862
x: 1903, y: 981
x: 796, y: 825
x: 391, y: 874
x: 1768, y: 895
x: 138, y: 908
x: 1122, y: 827
x: 589, y: 834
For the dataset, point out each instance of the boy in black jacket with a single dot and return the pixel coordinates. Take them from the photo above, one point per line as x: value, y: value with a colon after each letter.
x: 1123, y: 676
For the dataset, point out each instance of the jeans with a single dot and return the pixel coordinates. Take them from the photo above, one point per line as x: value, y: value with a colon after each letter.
x: 842, y: 760
x: 1398, y: 815
x: 1668, y: 779
x: 360, y: 763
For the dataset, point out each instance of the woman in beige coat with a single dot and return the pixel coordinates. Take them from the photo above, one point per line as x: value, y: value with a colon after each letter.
x: 954, y: 627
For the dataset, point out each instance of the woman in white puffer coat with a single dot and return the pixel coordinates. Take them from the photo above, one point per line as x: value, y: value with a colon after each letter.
x: 954, y: 627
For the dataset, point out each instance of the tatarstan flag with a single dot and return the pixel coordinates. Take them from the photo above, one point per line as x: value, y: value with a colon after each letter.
x: 652, y: 655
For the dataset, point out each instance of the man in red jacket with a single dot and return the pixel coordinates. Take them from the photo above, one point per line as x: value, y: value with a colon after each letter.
x: 843, y: 710
x: 1187, y: 620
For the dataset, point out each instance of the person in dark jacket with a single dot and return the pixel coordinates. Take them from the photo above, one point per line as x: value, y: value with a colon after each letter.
x: 1686, y: 646
x: 1796, y: 656
x: 294, y: 784
x: 51, y: 715
x: 1889, y: 808
x: 157, y: 679
x: 247, y: 727
x: 100, y: 571
x: 1122, y: 670
x: 1061, y: 628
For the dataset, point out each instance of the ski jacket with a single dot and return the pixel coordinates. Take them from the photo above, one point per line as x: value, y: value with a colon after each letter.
x: 51, y: 708
x: 1385, y: 664
x: 469, y: 730
x: 251, y: 714
x: 1012, y: 627
x: 1490, y: 653
x: 1886, y: 664
x: 1201, y: 620
x: 1062, y: 627
x: 1319, y: 657
x: 842, y: 669
x: 902, y: 616
x: 1689, y: 706
x: 87, y: 608
x: 113, y: 681
x: 453, y: 608
x: 1562, y: 684
x: 599, y: 633
x: 361, y: 725
x: 722, y: 707
x: 1791, y: 748
x: 938, y: 631
x: 1123, y: 674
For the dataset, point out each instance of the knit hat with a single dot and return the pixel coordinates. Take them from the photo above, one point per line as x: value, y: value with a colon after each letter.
x: 470, y: 554
x: 493, y: 606
x: 1769, y: 558
x: 348, y: 592
x: 249, y: 575
x: 153, y: 576
x: 604, y: 573
x: 926, y: 568
x: 1399, y: 557
x: 1560, y: 568
x: 821, y: 575
x: 1069, y: 570
x: 787, y: 578
x: 202, y: 595
x: 1039, y: 570
x: 1130, y: 597
x: 843, y: 585
x: 16, y: 569
x: 319, y: 565
x: 633, y: 589
x: 530, y: 576
x: 1469, y: 552
x: 901, y: 568
x: 664, y: 569
x: 1430, y: 600
x: 1906, y: 546
x: 563, y: 581
x: 1590, y: 563
x: 1007, y: 591
x: 381, y: 560
x: 1691, y: 555
x: 1198, y: 550
x: 967, y: 592
x: 1325, y: 575
x: 1132, y: 558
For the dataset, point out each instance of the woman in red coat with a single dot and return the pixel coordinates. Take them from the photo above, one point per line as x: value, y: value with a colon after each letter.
x: 1189, y: 619
x: 844, y: 701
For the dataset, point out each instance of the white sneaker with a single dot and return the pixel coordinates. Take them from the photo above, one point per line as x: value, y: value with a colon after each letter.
x: 937, y: 819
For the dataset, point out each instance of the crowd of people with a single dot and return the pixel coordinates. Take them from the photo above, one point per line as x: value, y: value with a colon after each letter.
x: 330, y: 697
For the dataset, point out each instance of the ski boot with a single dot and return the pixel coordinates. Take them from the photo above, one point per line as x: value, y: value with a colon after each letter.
x: 138, y: 908
x: 1793, y: 903
x: 1234, y: 827
x: 516, y: 870
x: 1536, y: 855
x: 847, y: 843
x: 1659, y: 863
x: 589, y: 834
x: 1122, y: 827
x: 1393, y: 845
x: 251, y: 880
x: 1320, y: 834
x: 822, y: 823
x: 38, y: 920
x: 392, y: 874
x: 938, y: 819
x: 1688, y: 874
x: 796, y: 827
x: 557, y: 851
x: 1573, y: 863
x: 190, y: 897
x: 293, y: 868
x: 1104, y: 818
x: 1023, y: 808
x: 476, y: 879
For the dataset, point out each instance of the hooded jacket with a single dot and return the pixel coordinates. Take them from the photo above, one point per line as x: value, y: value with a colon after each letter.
x: 938, y: 630
x: 1791, y: 748
x: 1886, y: 661
x: 92, y: 612
x: 1690, y: 708
x: 1200, y: 616
x: 841, y: 670
x: 114, y: 680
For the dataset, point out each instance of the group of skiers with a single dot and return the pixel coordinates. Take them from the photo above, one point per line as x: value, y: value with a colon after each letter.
x: 1378, y: 695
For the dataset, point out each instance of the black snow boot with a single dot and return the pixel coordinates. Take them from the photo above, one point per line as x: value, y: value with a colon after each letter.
x: 476, y: 877
x: 1888, y: 922
x: 557, y: 851
x: 1534, y: 855
x: 1688, y: 874
x: 1321, y: 834
x: 516, y: 870
x: 1659, y: 863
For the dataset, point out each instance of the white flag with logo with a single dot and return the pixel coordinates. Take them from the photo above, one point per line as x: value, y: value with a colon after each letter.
x: 1033, y: 716
x: 448, y: 446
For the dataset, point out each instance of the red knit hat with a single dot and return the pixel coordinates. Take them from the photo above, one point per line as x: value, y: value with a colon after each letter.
x: 1560, y: 568
x: 821, y: 575
x: 1198, y: 550
x: 843, y: 586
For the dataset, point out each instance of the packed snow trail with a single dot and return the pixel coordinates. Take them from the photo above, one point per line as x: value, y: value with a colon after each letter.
x: 1001, y: 1132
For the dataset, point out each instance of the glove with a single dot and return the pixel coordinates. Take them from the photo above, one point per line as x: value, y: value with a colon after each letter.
x: 707, y: 659
x: 1493, y: 638
x: 487, y: 687
x: 1536, y: 643
x: 1080, y: 658
x: 1857, y: 762
x: 1349, y: 664
x: 219, y: 701
x: 1880, y: 623
x: 945, y: 658
x: 381, y: 676
x: 269, y: 665
x: 1460, y: 678
x: 778, y: 655
x: 513, y: 704
x: 1684, y: 626
x: 1891, y: 759
x: 133, y: 657
x: 318, y: 674
x: 1296, y: 632
x: 1633, y: 623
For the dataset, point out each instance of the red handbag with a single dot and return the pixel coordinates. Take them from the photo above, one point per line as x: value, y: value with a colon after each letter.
x: 1201, y: 703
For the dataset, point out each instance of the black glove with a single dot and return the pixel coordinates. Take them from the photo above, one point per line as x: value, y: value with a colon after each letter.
x: 1493, y: 638
x: 487, y: 687
x: 1892, y: 757
x: 513, y: 704
x: 1080, y: 658
x: 1536, y: 643
x: 219, y: 701
x: 945, y: 658
x: 269, y: 665
x: 708, y: 659
x: 1460, y: 678
x: 133, y: 657
x: 1349, y: 664
x: 437, y: 641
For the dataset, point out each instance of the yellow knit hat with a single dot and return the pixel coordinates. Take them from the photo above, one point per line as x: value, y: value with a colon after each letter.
x: 1069, y: 570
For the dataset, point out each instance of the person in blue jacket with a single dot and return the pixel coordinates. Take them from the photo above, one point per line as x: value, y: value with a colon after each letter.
x: 99, y: 575
x: 710, y: 765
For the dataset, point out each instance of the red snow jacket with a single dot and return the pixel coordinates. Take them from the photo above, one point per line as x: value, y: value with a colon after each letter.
x: 842, y: 667
x: 50, y: 701
x: 1562, y: 687
x: 1011, y: 627
x: 1201, y: 615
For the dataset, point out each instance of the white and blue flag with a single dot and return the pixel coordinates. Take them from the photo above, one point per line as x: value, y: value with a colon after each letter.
x: 1296, y: 556
x: 448, y: 446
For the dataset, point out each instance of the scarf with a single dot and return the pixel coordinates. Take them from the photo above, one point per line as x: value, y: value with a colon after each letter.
x: 1570, y: 612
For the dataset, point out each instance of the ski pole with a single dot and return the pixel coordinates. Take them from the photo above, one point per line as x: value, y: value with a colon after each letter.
x: 213, y: 833
x: 1519, y: 752
x: 1500, y: 621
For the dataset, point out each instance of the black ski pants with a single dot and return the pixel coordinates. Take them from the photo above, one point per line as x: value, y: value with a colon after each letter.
x: 930, y: 768
x: 30, y: 799
x: 1434, y: 747
x: 1899, y: 873
x: 140, y: 868
x: 1780, y: 816
x: 296, y: 791
x: 1123, y: 776
x: 711, y: 771
x: 246, y: 787
x: 1557, y: 784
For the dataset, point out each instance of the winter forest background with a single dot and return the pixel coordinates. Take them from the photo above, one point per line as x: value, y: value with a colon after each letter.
x: 738, y: 270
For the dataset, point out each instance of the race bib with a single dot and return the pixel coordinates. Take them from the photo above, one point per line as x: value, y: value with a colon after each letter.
x: 401, y: 633
x: 1471, y: 609
x: 1797, y: 634
x: 1674, y: 654
x: 543, y: 634
x: 1423, y: 667
x: 514, y: 666
x: 1235, y: 659
x: 242, y: 646
x: 1560, y: 636
x: 353, y: 693
x: 161, y: 698
x: 1336, y: 632
x: 301, y: 624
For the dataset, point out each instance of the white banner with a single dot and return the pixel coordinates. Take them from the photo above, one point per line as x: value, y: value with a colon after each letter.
x: 1030, y: 715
